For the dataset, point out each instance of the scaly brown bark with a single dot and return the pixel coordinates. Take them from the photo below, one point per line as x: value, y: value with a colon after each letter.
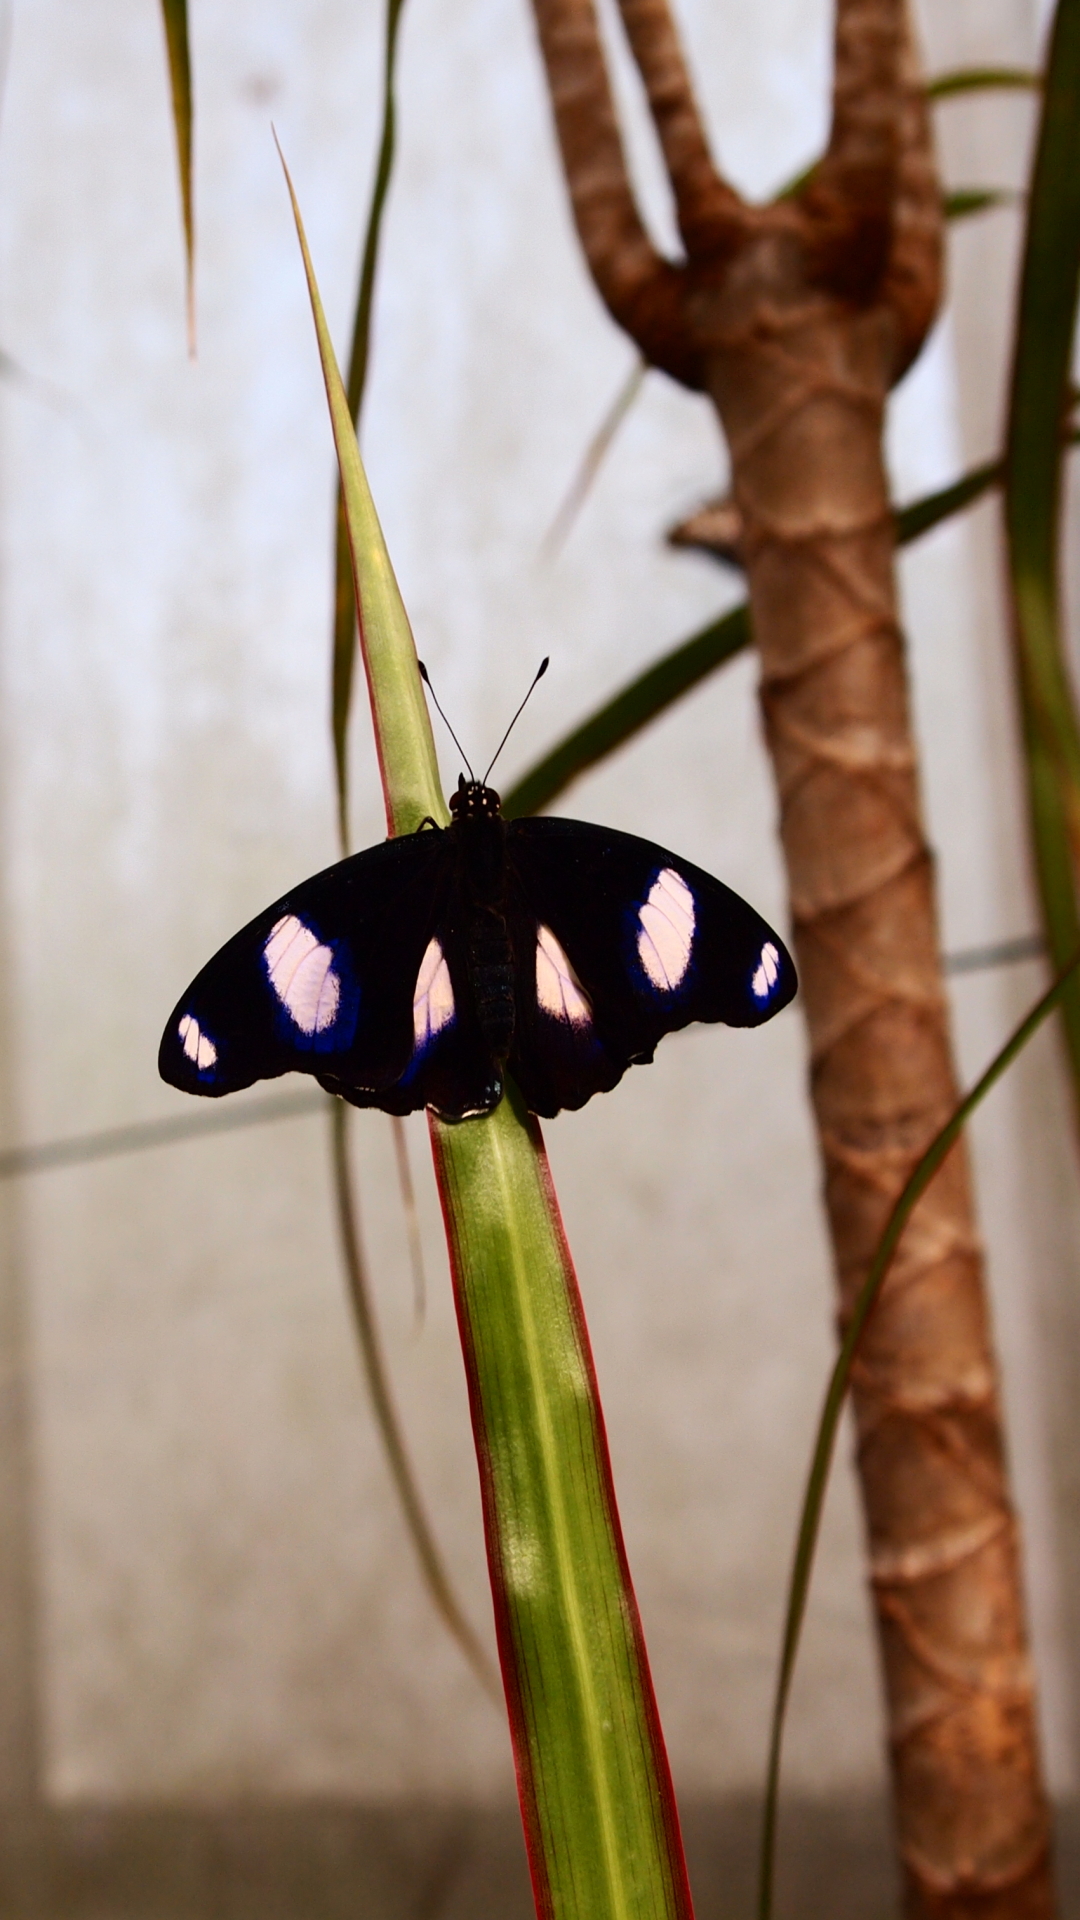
x: 797, y: 319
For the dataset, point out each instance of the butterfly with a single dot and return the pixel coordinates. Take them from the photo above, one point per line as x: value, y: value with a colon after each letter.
x: 423, y: 971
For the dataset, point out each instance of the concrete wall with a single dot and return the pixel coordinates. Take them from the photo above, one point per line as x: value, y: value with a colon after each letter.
x: 221, y: 1601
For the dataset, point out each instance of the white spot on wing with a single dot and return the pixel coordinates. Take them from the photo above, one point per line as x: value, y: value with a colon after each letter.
x: 558, y: 988
x: 198, y: 1045
x: 666, y: 930
x: 766, y: 973
x: 302, y: 975
x: 433, y: 1000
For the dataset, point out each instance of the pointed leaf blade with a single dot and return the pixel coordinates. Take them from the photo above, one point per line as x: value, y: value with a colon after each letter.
x: 1035, y: 447
x: 174, y: 15
x: 595, y: 1788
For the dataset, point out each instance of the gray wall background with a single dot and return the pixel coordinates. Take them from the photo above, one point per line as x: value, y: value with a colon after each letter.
x: 207, y: 1593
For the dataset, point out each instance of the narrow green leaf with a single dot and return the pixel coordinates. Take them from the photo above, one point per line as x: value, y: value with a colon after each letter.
x: 412, y: 1218
x: 623, y: 716
x: 174, y: 14
x: 595, y: 1787
x: 361, y: 337
x: 836, y: 1393
x: 929, y: 512
x: 344, y: 641
x: 678, y: 672
x: 386, y: 1414
x: 592, y: 460
x: 411, y: 786
x: 599, y: 1810
x: 961, y: 202
x: 945, y: 86
x: 343, y: 657
x: 139, y: 1136
x: 798, y: 181
x: 957, y: 205
x: 403, y: 739
x: 1035, y: 443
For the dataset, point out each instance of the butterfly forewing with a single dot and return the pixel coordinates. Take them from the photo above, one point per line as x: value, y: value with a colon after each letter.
x: 322, y: 982
x: 562, y: 1052
x: 628, y: 942
x: 450, y: 1067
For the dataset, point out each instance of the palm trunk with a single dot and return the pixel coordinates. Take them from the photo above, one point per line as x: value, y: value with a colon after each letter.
x: 796, y: 320
x: 944, y: 1557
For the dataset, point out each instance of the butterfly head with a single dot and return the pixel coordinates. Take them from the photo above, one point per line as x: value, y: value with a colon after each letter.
x: 474, y: 801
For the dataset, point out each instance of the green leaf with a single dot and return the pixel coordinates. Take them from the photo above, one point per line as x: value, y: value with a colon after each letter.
x: 596, y: 1793
x: 361, y: 336
x: 652, y: 692
x: 593, y: 459
x: 962, y: 202
x: 378, y: 1383
x: 929, y: 512
x: 403, y: 739
x: 411, y: 786
x: 344, y: 639
x: 174, y: 14
x: 623, y: 716
x: 957, y: 205
x: 1035, y: 444
x: 355, y: 522
x: 944, y: 86
x: 413, y: 793
x: 600, y: 1819
x: 836, y: 1393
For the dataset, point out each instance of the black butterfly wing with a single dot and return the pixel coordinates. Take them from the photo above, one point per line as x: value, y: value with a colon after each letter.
x: 450, y: 1067
x: 619, y: 942
x: 322, y: 982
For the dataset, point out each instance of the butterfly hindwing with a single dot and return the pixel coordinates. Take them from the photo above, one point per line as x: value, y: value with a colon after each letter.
x: 623, y: 942
x: 563, y: 1052
x: 450, y: 1066
x: 357, y: 976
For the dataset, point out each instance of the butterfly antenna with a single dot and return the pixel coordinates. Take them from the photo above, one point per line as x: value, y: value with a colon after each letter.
x: 538, y: 675
x: 426, y: 678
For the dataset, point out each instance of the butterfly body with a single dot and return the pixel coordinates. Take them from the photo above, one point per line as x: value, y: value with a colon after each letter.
x: 478, y: 832
x: 422, y: 971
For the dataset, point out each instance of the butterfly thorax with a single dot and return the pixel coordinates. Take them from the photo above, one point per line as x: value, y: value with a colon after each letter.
x: 474, y: 801
x: 480, y: 834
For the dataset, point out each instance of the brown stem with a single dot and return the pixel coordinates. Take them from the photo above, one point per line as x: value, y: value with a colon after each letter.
x: 911, y: 287
x: 709, y: 210
x: 849, y: 201
x: 801, y: 389
x: 642, y: 291
x: 801, y: 331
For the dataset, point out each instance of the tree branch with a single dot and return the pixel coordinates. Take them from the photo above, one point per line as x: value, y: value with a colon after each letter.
x: 849, y: 200
x: 642, y: 291
x: 709, y: 210
x: 913, y: 273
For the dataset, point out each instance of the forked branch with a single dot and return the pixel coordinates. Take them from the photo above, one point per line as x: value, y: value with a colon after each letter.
x: 850, y: 197
x: 642, y: 291
x: 913, y: 272
x: 801, y: 325
x: 709, y: 210
x: 868, y: 223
